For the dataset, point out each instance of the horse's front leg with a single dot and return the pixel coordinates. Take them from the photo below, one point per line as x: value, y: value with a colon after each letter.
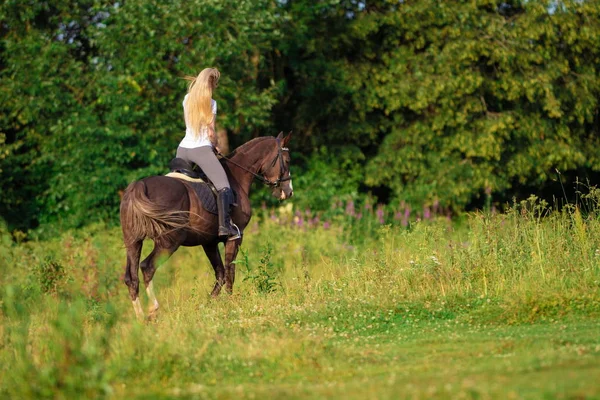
x: 212, y: 252
x: 231, y: 251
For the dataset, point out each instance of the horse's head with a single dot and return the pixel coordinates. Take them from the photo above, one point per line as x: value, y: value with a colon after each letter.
x: 276, y: 168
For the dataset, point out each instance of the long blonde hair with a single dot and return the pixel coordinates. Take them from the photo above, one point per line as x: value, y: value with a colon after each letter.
x: 198, y: 107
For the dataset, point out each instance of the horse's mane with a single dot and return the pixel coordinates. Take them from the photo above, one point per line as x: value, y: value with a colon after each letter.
x: 248, y: 146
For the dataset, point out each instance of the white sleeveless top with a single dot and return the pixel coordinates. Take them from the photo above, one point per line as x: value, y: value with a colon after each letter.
x: 189, y: 142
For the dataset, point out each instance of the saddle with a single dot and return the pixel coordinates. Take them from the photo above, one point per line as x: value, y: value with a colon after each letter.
x: 197, y: 179
x: 187, y: 169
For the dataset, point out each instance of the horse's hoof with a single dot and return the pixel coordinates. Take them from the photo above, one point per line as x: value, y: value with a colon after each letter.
x: 152, y: 311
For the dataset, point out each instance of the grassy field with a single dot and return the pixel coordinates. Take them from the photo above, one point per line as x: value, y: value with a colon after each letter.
x: 497, y: 306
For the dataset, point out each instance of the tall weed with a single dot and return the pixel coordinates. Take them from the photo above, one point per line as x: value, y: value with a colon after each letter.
x: 313, y: 287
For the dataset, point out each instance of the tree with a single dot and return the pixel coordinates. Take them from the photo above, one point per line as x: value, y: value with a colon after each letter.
x: 92, y: 95
x: 43, y: 59
x: 429, y: 101
x: 451, y: 100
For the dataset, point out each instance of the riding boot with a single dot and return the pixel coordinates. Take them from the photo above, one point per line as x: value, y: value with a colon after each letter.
x: 224, y: 201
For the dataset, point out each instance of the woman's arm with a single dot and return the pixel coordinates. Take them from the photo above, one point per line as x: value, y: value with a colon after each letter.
x: 212, y: 134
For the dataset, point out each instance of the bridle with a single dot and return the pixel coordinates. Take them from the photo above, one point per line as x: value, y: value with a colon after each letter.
x: 262, y: 178
x: 279, y: 157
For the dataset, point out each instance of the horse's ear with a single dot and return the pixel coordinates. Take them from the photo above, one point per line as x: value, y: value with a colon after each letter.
x: 280, y: 136
x: 286, y: 140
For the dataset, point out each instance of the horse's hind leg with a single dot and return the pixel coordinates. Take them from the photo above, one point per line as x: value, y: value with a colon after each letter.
x: 212, y: 252
x: 132, y: 281
x: 149, y: 266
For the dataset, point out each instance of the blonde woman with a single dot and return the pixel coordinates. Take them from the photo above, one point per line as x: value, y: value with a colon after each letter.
x: 200, y: 111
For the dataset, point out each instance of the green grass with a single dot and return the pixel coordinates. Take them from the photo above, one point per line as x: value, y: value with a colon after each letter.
x: 499, y: 307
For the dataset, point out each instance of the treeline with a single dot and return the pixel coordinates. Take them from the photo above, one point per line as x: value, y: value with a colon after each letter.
x: 446, y: 102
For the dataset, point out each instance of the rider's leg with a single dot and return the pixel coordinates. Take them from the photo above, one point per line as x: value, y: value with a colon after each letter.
x: 206, y: 159
x: 224, y: 201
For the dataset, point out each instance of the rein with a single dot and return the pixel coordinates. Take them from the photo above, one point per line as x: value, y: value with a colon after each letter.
x: 261, y: 177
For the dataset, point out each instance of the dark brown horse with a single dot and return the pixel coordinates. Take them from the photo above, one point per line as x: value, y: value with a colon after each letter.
x: 168, y: 211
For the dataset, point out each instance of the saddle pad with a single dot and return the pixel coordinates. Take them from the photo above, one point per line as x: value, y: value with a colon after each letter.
x: 179, y: 175
x: 205, y: 194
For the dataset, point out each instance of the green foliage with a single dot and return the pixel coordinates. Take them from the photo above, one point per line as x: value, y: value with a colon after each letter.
x: 263, y: 278
x: 521, y: 288
x: 92, y: 96
x: 457, y: 103
x: 452, y: 100
x: 329, y: 176
x: 72, y: 359
x: 50, y: 275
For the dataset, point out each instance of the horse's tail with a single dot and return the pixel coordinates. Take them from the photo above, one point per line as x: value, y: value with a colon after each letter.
x: 141, y: 218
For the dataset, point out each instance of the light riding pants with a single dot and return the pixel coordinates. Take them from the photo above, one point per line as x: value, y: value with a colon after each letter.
x: 206, y: 159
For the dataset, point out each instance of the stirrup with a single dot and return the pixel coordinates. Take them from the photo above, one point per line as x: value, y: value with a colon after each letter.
x: 229, y: 235
x: 237, y: 235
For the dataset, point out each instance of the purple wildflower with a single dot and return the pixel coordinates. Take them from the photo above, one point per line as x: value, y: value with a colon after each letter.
x: 406, y: 216
x: 350, y: 208
x: 380, y: 214
x: 426, y: 213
